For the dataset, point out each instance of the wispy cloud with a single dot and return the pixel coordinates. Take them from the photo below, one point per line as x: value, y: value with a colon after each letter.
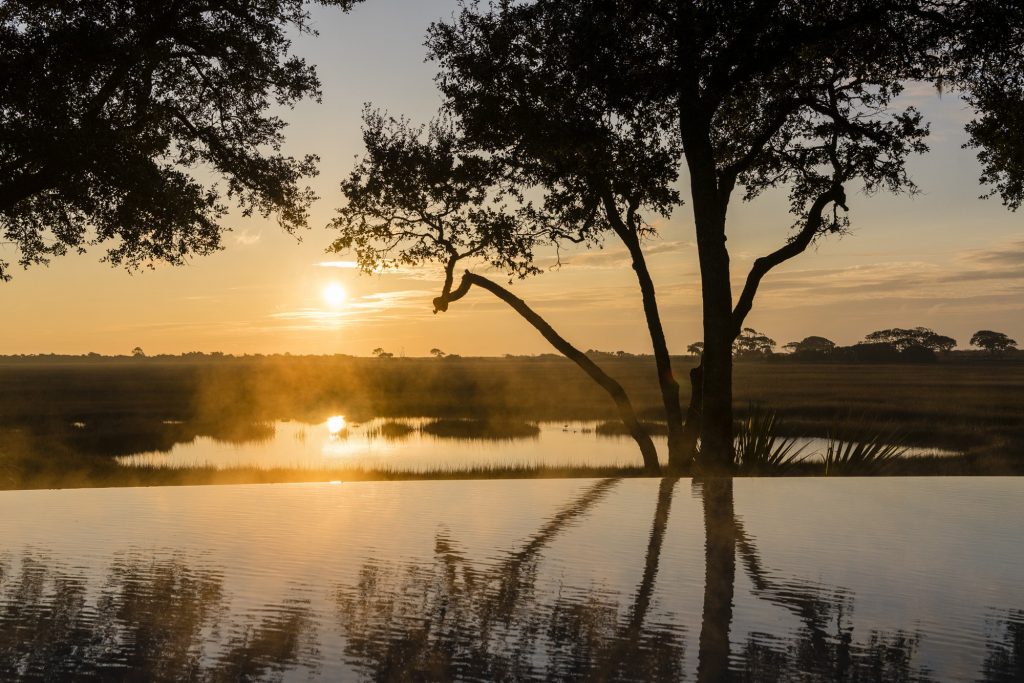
x: 1007, y: 254
x: 364, y: 310
x: 350, y: 265
x: 618, y: 256
x: 247, y: 239
x: 429, y: 271
x: 393, y: 299
x: 314, y: 314
x: 993, y: 275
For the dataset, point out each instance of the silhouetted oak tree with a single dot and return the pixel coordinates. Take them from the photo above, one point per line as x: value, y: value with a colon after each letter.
x: 993, y: 342
x: 526, y: 97
x: 799, y: 95
x: 117, y: 116
x: 420, y: 197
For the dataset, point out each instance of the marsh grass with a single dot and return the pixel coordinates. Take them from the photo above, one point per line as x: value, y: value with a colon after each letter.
x: 390, y: 431
x: 489, y: 429
x: 131, y: 406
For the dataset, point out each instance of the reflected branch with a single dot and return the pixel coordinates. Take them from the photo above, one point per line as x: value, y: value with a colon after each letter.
x: 812, y: 653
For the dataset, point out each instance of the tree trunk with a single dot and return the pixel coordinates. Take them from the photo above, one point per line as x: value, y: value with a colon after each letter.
x: 687, y: 452
x: 666, y: 380
x: 716, y: 449
x: 669, y: 387
x: 625, y: 407
x: 710, y: 203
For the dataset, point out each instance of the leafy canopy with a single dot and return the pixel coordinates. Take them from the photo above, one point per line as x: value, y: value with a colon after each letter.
x: 417, y: 197
x: 812, y: 345
x: 903, y: 339
x: 995, y: 342
x: 751, y: 343
x: 117, y: 117
x: 543, y: 82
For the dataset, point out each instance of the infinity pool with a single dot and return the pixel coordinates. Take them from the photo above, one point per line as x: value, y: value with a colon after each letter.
x: 637, y: 579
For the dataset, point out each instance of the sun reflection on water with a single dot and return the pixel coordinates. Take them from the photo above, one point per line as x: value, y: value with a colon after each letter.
x: 336, y: 424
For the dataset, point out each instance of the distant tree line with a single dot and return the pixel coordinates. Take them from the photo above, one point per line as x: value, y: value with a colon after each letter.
x: 895, y: 344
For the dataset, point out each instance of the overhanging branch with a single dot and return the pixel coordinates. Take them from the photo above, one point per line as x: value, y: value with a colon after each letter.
x: 835, y: 195
x: 625, y: 407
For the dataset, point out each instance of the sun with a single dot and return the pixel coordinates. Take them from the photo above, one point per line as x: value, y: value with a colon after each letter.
x: 335, y: 295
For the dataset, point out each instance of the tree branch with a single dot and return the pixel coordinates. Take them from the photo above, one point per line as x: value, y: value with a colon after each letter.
x: 794, y: 247
x: 625, y: 407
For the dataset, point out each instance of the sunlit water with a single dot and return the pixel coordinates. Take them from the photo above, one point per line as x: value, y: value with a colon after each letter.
x: 336, y: 443
x: 781, y: 579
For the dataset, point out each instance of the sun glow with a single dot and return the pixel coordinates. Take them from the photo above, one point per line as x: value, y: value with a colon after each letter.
x: 335, y: 424
x: 335, y: 295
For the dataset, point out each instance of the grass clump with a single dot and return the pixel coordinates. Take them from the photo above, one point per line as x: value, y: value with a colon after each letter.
x: 760, y: 450
x: 872, y: 453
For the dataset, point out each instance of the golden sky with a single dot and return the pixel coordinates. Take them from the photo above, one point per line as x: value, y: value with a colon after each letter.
x: 944, y: 259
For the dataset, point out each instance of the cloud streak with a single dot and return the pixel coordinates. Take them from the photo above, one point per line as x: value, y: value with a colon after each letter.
x: 618, y: 256
x: 348, y: 265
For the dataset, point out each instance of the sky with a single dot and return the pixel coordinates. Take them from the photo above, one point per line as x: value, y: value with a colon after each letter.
x: 944, y: 259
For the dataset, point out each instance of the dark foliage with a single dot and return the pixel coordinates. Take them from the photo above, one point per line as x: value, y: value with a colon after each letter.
x: 993, y: 342
x: 116, y: 118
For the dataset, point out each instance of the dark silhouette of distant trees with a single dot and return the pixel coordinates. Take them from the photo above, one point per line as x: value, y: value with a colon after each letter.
x: 760, y: 96
x: 118, y: 116
x: 381, y: 353
x: 903, y: 339
x: 993, y: 342
x: 811, y: 346
x: 695, y: 349
x: 752, y: 344
x: 437, y: 353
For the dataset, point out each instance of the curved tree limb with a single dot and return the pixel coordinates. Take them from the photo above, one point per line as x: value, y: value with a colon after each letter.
x: 609, y: 384
x: 793, y: 248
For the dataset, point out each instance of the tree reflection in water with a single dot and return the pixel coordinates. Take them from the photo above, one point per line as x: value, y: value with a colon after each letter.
x: 823, y: 648
x: 150, y: 622
x: 166, y: 620
x: 1004, y: 662
x: 455, y: 619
